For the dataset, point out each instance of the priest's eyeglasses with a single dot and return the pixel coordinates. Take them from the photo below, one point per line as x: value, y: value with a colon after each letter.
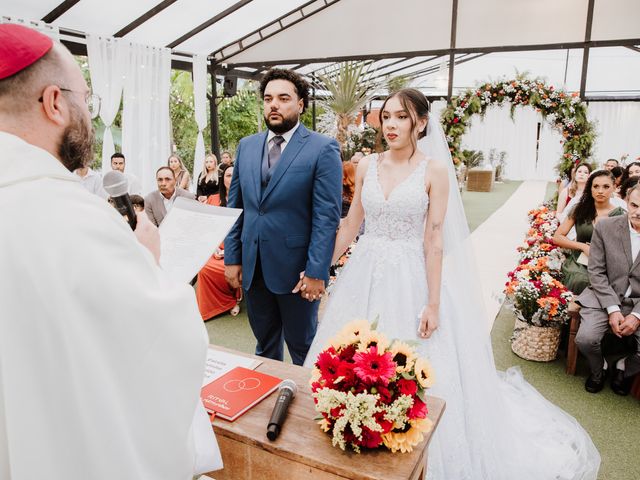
x: 93, y: 101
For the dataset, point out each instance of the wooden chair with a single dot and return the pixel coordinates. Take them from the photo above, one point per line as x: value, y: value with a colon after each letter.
x: 572, y: 348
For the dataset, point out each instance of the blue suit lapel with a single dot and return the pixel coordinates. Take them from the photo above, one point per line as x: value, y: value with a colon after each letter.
x: 292, y: 150
x: 256, y: 166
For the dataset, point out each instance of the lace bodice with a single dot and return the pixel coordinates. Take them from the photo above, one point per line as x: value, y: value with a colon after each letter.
x: 402, y: 215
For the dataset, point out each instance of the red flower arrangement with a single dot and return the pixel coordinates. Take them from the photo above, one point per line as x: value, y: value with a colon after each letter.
x: 370, y: 392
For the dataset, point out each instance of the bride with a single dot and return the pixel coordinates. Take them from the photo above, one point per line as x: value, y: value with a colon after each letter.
x: 413, y: 271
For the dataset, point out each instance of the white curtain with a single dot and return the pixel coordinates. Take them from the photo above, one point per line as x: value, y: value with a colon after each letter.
x: 200, y: 103
x: 107, y: 64
x: 146, y: 139
x: 616, y: 135
x: 531, y: 155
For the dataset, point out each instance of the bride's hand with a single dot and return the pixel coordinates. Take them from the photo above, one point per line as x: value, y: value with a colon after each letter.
x: 428, y: 321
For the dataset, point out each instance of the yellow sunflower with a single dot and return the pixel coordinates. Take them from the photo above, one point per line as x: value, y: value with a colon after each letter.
x: 405, y: 441
x: 403, y: 355
x: 351, y: 332
x: 372, y: 338
x: 424, y: 372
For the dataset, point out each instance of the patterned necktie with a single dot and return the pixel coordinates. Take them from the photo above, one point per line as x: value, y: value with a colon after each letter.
x: 275, y: 151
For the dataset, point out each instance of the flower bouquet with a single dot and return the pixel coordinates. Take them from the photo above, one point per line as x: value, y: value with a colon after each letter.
x: 371, y: 392
x: 536, y: 295
x: 541, y: 305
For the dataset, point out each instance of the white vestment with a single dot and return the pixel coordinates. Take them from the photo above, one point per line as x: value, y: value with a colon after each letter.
x: 101, y: 355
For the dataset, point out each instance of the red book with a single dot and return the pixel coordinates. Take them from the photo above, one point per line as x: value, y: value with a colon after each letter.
x: 237, y: 391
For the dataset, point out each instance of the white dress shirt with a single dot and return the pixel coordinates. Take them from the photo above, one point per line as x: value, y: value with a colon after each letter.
x: 635, y: 248
x: 168, y: 202
x: 92, y: 181
x: 287, y: 137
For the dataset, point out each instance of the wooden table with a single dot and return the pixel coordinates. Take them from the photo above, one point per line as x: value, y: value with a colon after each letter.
x: 303, y: 451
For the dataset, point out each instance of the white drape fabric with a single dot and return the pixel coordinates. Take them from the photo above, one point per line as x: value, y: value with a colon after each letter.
x: 200, y: 103
x: 518, y: 137
x: 531, y: 154
x: 107, y: 63
x: 146, y: 139
x: 615, y: 128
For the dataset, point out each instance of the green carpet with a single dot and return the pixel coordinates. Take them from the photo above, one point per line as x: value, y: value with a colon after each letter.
x: 612, y: 421
x: 480, y: 205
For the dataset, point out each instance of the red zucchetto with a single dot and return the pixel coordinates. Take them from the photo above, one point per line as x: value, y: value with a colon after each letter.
x: 20, y: 47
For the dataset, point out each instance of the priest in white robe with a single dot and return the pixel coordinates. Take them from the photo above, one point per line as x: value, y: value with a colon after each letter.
x: 101, y: 355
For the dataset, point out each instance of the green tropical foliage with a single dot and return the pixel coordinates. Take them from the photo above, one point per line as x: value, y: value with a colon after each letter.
x: 350, y: 88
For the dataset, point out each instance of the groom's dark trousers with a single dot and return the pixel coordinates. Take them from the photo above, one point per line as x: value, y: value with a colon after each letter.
x: 288, y: 226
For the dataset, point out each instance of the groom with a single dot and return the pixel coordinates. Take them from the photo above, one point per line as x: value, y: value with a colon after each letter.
x: 288, y: 181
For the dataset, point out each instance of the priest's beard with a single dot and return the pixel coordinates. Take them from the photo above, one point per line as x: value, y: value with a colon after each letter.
x: 76, y: 148
x: 284, y: 126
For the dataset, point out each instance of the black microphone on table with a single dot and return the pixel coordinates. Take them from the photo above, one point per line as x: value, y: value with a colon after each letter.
x: 117, y: 186
x: 286, y: 393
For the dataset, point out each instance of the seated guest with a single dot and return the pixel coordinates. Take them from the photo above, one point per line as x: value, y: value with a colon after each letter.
x: 220, y: 199
x: 616, y: 201
x: 159, y: 202
x: 610, y: 164
x: 226, y: 158
x: 594, y: 205
x: 118, y: 162
x: 183, y: 179
x: 213, y: 293
x: 624, y: 188
x: 631, y: 170
x: 617, y: 174
x: 92, y: 181
x: 208, y: 180
x: 138, y: 203
x: 579, y: 177
x: 348, y: 186
x: 612, y: 302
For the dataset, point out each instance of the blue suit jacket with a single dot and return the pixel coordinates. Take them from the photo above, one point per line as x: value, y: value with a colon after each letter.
x: 294, y: 220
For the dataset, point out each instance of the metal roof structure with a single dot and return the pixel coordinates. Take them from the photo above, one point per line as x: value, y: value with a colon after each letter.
x: 443, y: 46
x: 246, y: 37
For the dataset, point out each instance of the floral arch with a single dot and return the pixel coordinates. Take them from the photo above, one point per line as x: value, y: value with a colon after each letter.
x: 563, y: 111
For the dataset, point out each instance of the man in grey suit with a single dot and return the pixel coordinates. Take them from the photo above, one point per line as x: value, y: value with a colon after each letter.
x: 159, y: 202
x: 613, y: 299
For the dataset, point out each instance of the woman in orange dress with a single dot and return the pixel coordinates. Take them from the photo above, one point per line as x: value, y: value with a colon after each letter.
x: 213, y: 293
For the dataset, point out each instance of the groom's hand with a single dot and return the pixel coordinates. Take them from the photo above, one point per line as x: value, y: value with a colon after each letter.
x: 310, y: 289
x: 233, y: 275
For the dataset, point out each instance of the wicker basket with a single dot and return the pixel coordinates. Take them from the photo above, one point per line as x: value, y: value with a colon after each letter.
x: 539, y: 344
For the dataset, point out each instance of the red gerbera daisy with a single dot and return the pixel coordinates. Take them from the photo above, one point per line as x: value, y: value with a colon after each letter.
x: 418, y: 410
x: 328, y: 365
x: 373, y: 367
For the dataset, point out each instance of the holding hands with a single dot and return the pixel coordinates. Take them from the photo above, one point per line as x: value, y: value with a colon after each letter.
x: 310, y: 289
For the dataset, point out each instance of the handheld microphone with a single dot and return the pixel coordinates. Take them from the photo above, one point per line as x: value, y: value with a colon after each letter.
x: 286, y: 393
x: 117, y: 186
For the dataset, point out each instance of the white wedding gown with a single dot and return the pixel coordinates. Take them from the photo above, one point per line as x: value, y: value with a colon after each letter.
x: 496, y: 426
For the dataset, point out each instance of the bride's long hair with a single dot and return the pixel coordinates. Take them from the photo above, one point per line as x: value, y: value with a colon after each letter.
x: 416, y: 105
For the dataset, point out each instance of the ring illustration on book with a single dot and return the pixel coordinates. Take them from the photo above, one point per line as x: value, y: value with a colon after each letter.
x: 235, y: 385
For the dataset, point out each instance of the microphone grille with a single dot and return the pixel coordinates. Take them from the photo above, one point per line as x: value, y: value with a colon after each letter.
x: 289, y: 384
x: 115, y: 183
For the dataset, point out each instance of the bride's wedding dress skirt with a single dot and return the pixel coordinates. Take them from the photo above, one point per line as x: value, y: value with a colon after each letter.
x: 496, y: 426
